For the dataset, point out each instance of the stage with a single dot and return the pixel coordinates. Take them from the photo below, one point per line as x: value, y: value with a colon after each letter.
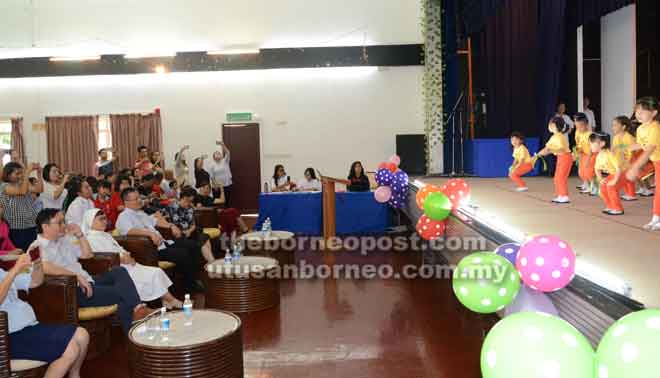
x: 615, y: 251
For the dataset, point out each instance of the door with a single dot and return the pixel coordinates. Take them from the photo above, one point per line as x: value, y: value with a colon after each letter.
x: 245, y: 163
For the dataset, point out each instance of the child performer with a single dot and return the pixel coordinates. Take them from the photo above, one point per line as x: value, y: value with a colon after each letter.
x: 558, y: 145
x: 610, y: 169
x: 522, y: 161
x: 622, y: 141
x: 586, y: 158
x: 648, y: 140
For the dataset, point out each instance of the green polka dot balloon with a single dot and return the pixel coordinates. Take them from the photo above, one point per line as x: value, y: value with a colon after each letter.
x: 536, y: 345
x: 485, y: 282
x: 631, y: 347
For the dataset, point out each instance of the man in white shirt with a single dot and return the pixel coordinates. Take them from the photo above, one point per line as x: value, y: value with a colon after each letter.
x: 589, y: 113
x: 60, y: 256
x: 133, y: 221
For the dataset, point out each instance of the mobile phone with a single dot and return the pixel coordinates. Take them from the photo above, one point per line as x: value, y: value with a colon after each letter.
x: 35, y: 253
x: 288, y: 178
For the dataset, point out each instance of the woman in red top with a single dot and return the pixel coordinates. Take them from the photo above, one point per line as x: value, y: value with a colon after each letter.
x: 102, y: 202
x: 6, y: 246
x: 116, y: 204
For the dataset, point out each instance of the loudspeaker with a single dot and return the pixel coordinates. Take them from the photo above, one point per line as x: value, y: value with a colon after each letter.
x: 411, y: 150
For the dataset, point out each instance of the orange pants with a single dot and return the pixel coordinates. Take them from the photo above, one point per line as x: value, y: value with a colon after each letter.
x: 562, y: 171
x: 586, y: 169
x: 610, y: 194
x: 647, y: 169
x: 656, y: 199
x: 522, y: 170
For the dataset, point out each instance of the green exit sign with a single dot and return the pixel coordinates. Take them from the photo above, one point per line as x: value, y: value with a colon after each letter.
x: 239, y: 117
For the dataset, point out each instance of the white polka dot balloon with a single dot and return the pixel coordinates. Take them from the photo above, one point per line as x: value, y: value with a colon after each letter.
x: 631, y: 347
x: 536, y: 345
x: 546, y: 263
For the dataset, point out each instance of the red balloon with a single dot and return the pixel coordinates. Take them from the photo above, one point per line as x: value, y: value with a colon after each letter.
x: 423, y: 193
x: 392, y: 167
x: 458, y: 192
x: 429, y: 229
x: 382, y: 165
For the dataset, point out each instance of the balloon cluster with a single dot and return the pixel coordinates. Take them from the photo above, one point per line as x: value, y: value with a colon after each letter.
x: 392, y: 183
x: 437, y: 203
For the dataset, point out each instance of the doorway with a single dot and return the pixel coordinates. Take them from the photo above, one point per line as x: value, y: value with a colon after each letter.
x: 243, y: 141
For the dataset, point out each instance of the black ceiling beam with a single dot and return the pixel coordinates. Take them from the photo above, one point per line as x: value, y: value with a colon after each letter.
x: 311, y: 57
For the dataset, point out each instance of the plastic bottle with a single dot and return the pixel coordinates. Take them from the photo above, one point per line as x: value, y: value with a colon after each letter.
x: 228, y: 257
x: 164, y: 321
x: 187, y: 310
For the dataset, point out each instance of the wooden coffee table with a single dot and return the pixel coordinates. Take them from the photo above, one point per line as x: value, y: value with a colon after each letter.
x: 247, y: 285
x: 279, y: 245
x: 212, y: 346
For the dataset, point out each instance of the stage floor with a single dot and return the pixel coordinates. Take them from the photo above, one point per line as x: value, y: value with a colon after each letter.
x: 616, y: 245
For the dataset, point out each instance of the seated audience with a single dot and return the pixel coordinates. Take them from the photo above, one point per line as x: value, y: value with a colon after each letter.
x: 54, y: 187
x: 34, y: 192
x: 146, y: 186
x: 143, y: 165
x: 181, y: 214
x: 93, y: 184
x: 168, y: 177
x: 174, y: 189
x: 156, y: 188
x: 310, y: 183
x: 156, y: 161
x: 358, y: 178
x: 18, y: 202
x: 204, y: 197
x: 60, y: 257
x: 133, y: 221
x: 6, y: 246
x: 116, y: 204
x: 104, y: 203
x: 280, y: 181
x: 151, y: 282
x: 78, y: 200
x: 104, y: 166
x: 64, y: 347
x: 229, y: 218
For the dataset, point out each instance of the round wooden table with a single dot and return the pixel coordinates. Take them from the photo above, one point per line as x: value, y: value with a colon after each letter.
x: 212, y: 346
x: 249, y: 284
x: 279, y: 245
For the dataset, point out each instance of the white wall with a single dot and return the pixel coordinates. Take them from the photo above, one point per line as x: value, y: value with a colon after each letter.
x: 325, y: 118
x: 197, y: 25
x: 618, y: 64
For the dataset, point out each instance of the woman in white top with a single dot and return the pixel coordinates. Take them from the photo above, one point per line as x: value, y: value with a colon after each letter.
x: 181, y: 170
x: 310, y: 183
x: 151, y: 282
x: 54, y: 187
x: 280, y: 182
x: 78, y: 200
x: 218, y: 169
x: 561, y: 112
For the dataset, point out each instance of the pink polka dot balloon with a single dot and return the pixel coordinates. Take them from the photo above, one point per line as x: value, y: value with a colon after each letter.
x: 546, y: 263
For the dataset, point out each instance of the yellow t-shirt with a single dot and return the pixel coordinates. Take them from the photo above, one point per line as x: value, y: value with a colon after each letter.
x: 521, y: 155
x: 648, y: 134
x: 558, y: 144
x: 621, y: 144
x: 582, y: 141
x: 609, y: 162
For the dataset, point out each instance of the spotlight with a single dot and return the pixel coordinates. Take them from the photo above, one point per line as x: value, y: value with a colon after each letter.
x: 160, y: 69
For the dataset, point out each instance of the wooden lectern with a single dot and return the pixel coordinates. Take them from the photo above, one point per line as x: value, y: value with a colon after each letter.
x: 329, y: 218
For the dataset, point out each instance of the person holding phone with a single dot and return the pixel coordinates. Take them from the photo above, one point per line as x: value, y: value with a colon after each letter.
x: 104, y: 166
x: 280, y: 182
x: 64, y: 347
x: 18, y: 202
x: 181, y: 170
x: 54, y: 187
x: 220, y: 173
x: 201, y: 175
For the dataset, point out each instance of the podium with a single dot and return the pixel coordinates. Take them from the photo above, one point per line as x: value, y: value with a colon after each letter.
x: 329, y: 209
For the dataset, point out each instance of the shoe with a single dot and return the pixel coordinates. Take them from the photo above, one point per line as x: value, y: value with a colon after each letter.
x: 646, y: 193
x: 656, y: 227
x: 606, y: 210
x: 561, y: 200
x: 585, y: 190
x: 628, y: 198
x: 639, y: 191
x: 524, y: 189
x: 652, y: 225
x: 614, y: 212
x: 581, y: 187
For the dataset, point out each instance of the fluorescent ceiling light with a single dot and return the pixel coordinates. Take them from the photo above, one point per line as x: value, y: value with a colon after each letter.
x: 235, y: 52
x: 74, y: 58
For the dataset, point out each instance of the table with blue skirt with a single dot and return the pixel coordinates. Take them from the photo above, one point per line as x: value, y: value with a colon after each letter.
x: 302, y: 213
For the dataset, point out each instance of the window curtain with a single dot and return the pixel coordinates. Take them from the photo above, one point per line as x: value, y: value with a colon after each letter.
x: 73, y: 143
x: 129, y: 131
x: 17, y: 144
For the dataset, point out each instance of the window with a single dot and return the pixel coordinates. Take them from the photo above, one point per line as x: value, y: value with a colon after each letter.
x: 105, y: 136
x: 5, y: 139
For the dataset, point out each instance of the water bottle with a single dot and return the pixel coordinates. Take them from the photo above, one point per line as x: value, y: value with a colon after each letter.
x: 187, y: 310
x: 236, y: 253
x: 269, y: 227
x: 164, y: 324
x: 266, y: 188
x: 227, y: 257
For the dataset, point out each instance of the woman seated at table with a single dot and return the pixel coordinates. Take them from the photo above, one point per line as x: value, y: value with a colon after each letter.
x: 310, y: 183
x: 280, y: 181
x: 64, y: 346
x: 151, y: 282
x: 358, y: 178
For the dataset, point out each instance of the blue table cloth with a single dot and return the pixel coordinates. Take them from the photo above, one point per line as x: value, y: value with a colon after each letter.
x: 302, y: 213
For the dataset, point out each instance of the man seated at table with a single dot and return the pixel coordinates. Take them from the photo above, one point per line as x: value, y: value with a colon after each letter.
x: 60, y: 254
x: 229, y: 218
x: 204, y: 197
x: 64, y: 346
x: 133, y: 221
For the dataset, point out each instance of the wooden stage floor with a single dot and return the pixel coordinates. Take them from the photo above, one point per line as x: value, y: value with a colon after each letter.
x: 616, y: 245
